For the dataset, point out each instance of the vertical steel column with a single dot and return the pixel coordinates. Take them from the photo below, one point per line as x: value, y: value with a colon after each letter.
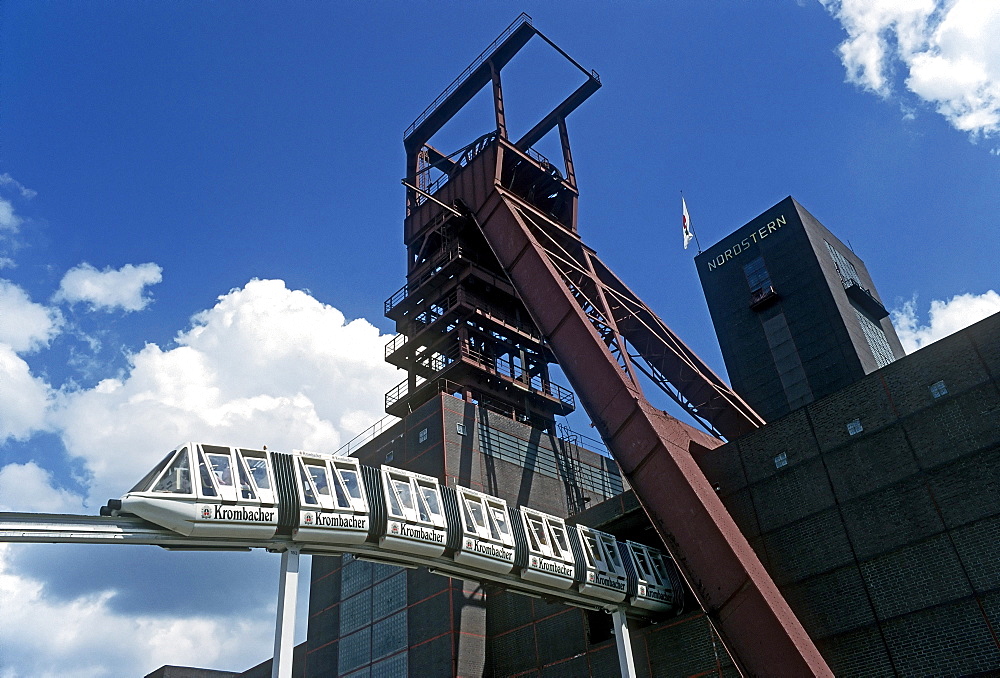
x: 284, y: 628
x: 624, y: 642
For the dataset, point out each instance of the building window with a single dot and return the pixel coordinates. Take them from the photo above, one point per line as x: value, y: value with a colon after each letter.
x: 759, y: 281
x: 781, y: 460
x: 854, y: 427
x: 388, y: 455
x: 422, y: 436
x: 876, y: 340
x: 460, y: 429
x: 938, y: 389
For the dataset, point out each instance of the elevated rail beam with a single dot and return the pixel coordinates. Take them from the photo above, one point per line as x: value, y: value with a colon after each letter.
x: 48, y: 528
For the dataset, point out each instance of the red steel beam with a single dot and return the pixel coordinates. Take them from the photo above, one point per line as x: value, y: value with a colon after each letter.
x: 754, y: 621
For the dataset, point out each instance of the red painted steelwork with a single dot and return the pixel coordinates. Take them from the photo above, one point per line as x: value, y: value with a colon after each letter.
x: 653, y: 450
x: 597, y: 329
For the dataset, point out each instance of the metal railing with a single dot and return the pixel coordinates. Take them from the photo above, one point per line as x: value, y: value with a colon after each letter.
x: 523, y: 18
x: 366, y: 436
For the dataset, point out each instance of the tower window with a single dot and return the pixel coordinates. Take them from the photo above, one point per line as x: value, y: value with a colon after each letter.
x: 938, y: 389
x: 759, y: 281
x: 781, y: 460
x: 854, y: 427
x: 876, y: 340
x: 422, y: 436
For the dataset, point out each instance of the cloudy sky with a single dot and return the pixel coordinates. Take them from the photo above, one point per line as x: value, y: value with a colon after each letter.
x: 200, y: 216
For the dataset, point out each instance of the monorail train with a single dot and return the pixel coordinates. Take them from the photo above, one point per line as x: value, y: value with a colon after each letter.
x: 329, y: 501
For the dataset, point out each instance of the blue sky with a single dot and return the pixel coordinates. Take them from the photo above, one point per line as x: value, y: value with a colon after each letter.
x: 201, y: 215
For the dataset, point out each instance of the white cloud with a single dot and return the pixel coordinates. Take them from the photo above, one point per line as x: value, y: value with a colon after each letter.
x: 24, y: 398
x: 265, y: 365
x: 7, y: 180
x: 8, y: 220
x: 109, y: 289
x: 25, y: 325
x: 28, y: 488
x: 85, y: 637
x: 947, y: 50
x: 945, y: 317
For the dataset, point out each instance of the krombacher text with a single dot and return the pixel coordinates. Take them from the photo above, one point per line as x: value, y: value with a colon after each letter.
x: 240, y: 513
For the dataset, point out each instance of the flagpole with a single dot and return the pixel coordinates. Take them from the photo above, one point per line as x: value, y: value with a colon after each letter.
x: 696, y: 241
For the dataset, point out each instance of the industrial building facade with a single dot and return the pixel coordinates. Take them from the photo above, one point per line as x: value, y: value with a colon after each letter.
x: 795, y: 311
x: 369, y: 619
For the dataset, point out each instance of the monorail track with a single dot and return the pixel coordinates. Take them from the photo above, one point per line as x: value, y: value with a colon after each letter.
x: 55, y: 528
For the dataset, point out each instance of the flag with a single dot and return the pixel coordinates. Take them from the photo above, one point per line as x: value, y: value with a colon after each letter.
x: 686, y: 223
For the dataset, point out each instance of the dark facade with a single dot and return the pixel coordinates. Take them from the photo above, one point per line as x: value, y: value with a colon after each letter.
x: 378, y: 620
x: 877, y: 511
x: 795, y: 311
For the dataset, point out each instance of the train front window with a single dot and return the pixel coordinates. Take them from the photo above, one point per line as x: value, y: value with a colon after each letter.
x: 148, y: 479
x: 222, y: 467
x: 177, y: 478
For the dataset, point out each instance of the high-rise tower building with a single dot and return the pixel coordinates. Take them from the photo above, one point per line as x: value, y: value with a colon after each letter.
x: 796, y: 313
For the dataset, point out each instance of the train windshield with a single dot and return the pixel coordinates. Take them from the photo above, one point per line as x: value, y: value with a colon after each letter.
x: 147, y: 479
x: 177, y: 479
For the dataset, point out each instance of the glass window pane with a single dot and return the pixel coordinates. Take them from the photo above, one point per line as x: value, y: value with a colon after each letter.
x: 177, y: 479
x: 539, y: 529
x: 500, y: 519
x: 476, y: 509
x: 246, y: 490
x: 338, y: 489
x: 611, y: 548
x: 222, y: 468
x: 350, y: 477
x: 595, y: 551
x: 148, y: 479
x: 430, y: 496
x: 258, y: 468
x: 207, y: 485
x: 394, y: 507
x: 405, y: 493
x: 319, y: 478
x: 560, y: 538
x: 308, y: 497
